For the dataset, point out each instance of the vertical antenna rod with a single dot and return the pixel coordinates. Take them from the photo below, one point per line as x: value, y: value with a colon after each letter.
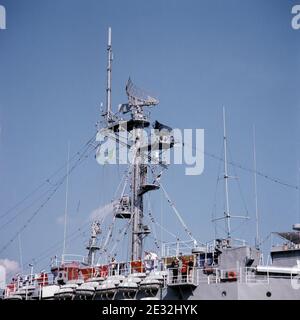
x: 20, y: 252
x: 109, y: 68
x: 257, y: 240
x: 66, y: 205
x: 226, y: 213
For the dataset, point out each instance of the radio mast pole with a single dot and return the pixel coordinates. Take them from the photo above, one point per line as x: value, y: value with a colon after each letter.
x: 109, y: 69
x: 227, y: 212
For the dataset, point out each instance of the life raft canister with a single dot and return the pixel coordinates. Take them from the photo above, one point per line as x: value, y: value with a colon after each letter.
x: 231, y: 275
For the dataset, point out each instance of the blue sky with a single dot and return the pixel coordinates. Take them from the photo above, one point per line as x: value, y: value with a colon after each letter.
x: 195, y: 56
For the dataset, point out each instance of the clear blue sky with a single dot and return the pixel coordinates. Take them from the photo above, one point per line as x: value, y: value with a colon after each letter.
x: 196, y: 56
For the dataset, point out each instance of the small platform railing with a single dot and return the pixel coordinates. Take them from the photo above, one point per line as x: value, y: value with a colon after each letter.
x: 196, y: 276
x: 178, y: 278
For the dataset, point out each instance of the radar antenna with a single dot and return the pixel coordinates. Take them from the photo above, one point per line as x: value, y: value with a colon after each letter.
x: 139, y: 97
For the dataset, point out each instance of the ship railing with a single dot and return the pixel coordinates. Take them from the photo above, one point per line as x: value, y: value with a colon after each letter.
x: 250, y: 276
x: 242, y: 275
x: 207, y: 275
x: 27, y: 282
x: 134, y: 267
x: 178, y: 277
x: 68, y: 258
x: 178, y: 248
x: 211, y: 275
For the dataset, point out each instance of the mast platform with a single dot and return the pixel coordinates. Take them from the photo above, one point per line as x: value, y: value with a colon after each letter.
x: 129, y: 125
x: 147, y: 187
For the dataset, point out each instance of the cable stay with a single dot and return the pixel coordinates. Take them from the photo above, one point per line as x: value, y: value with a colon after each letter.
x: 36, y: 212
x: 13, y: 218
x: 54, y: 247
x: 122, y: 233
x: 152, y: 221
x: 178, y: 215
x: 244, y: 168
x: 47, y: 181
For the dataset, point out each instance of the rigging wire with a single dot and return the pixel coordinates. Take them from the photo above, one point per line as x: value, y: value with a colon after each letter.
x: 122, y: 233
x: 13, y: 218
x: 48, y: 180
x: 239, y: 185
x: 241, y: 195
x: 35, y: 200
x: 152, y: 220
x: 186, y: 229
x: 36, y: 212
x: 234, y: 164
x: 167, y: 231
x: 266, y: 176
x: 24, y: 209
x: 54, y: 247
x: 244, y: 168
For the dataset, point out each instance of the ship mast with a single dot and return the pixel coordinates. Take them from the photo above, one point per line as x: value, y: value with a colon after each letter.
x: 257, y: 238
x: 131, y: 207
x: 138, y: 179
x: 66, y: 205
x: 109, y: 70
x: 137, y: 100
x: 92, y: 245
x: 226, y: 212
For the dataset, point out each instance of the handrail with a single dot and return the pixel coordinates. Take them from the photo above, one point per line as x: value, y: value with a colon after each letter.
x: 196, y: 276
x: 178, y: 277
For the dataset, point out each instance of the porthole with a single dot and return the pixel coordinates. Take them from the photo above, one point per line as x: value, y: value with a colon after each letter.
x: 268, y: 294
x: 224, y: 293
